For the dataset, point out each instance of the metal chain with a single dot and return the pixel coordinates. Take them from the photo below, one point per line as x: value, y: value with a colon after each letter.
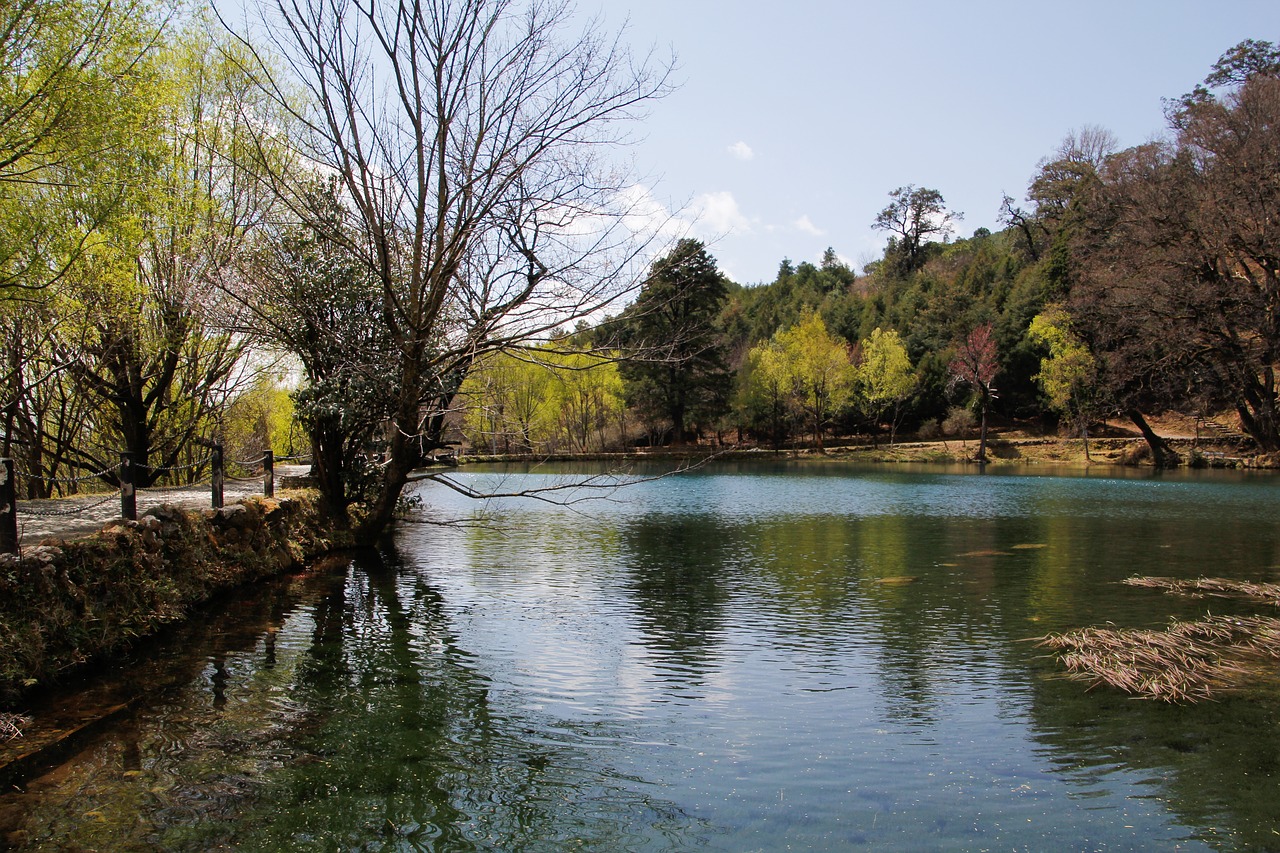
x: 176, y: 468
x: 53, y: 513
x: 82, y: 479
x: 177, y: 487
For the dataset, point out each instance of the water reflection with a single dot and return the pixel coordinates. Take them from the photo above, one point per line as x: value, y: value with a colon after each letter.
x: 677, y: 577
x: 408, y: 746
x: 730, y: 661
x: 1215, y: 765
x: 356, y: 717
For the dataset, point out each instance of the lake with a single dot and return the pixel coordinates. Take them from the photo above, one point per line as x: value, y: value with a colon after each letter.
x: 768, y: 656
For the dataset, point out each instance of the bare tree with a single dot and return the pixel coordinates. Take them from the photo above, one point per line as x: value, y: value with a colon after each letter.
x: 1179, y: 261
x: 469, y: 138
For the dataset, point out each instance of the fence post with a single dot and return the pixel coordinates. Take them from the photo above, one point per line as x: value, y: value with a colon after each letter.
x: 268, y: 473
x: 8, y: 509
x: 128, y: 488
x: 216, y: 497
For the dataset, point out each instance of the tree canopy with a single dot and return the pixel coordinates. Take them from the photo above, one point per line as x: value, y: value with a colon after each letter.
x: 398, y: 211
x: 675, y: 362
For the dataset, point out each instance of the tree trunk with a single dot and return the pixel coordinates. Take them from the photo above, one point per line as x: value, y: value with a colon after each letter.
x: 1161, y: 453
x: 677, y: 413
x: 327, y: 466
x: 982, y: 434
x: 382, y: 508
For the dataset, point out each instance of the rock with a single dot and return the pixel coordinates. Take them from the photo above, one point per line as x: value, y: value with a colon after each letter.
x: 228, y: 515
x: 164, y: 512
x: 42, y: 555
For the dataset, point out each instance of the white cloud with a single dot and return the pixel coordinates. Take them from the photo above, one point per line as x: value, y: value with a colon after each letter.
x: 805, y: 224
x: 647, y: 217
x: 719, y: 213
x: 742, y: 151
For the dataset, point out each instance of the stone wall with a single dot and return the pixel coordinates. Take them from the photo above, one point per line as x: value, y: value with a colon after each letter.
x: 63, y: 604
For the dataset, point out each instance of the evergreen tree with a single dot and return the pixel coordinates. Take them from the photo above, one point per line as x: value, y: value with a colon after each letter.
x: 676, y: 367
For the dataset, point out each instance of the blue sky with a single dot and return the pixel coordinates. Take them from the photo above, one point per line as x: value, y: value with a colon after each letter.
x: 794, y: 120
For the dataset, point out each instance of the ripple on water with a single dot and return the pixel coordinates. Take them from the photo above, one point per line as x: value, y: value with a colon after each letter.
x: 725, y: 661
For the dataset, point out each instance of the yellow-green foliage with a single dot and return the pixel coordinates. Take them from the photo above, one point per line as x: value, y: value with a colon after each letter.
x: 1068, y: 374
x: 261, y: 418
x: 885, y: 375
x: 542, y: 400
x: 804, y: 368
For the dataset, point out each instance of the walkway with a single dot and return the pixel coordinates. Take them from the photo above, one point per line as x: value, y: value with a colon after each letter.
x: 69, y: 518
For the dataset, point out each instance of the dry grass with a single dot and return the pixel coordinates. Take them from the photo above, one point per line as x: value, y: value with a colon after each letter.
x: 11, y: 726
x: 1188, y: 662
x: 1217, y: 587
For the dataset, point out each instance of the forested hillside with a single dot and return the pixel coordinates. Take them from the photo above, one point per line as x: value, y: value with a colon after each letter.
x: 237, y: 237
x: 1126, y: 284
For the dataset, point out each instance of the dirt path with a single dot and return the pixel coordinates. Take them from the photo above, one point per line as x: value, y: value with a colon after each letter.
x: 68, y: 518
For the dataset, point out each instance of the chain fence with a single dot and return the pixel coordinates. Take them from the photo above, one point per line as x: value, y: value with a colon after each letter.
x: 260, y: 470
x: 83, y: 478
x: 79, y: 509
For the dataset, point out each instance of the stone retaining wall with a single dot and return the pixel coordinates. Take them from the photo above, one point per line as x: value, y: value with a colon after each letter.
x: 63, y: 604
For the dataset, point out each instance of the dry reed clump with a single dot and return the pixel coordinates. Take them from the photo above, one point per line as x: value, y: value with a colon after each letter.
x: 1218, y: 587
x: 11, y: 726
x: 1188, y: 662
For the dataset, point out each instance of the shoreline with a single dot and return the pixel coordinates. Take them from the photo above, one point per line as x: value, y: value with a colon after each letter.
x: 1002, y: 450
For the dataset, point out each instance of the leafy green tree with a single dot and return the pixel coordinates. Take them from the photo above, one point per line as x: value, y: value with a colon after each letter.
x: 885, y: 376
x: 765, y: 386
x: 77, y: 76
x: 1069, y: 373
x: 79, y: 83
x: 676, y: 365
x: 261, y: 417
x: 147, y: 336
x: 587, y: 396
x: 544, y: 399
x: 822, y: 374
x: 507, y: 398
x: 1250, y: 58
x: 307, y: 296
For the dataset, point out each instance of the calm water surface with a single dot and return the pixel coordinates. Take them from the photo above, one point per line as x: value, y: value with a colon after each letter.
x: 770, y: 657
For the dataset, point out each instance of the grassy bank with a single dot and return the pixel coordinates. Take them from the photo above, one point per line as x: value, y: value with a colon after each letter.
x: 63, y: 604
